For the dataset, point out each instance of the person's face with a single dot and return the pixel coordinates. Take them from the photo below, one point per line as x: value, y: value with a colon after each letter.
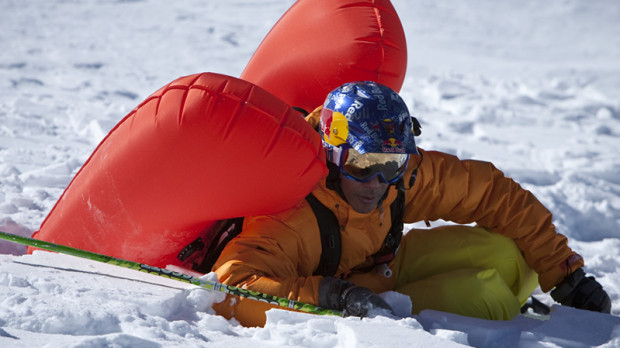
x: 363, y: 196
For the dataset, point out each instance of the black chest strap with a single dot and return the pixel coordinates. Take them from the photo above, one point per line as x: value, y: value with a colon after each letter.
x: 331, y: 241
x: 395, y: 235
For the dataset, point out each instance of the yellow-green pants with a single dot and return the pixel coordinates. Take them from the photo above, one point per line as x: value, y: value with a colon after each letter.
x: 463, y: 270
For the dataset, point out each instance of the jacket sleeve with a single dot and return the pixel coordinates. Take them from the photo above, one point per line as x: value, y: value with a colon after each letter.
x: 469, y: 191
x: 273, y: 257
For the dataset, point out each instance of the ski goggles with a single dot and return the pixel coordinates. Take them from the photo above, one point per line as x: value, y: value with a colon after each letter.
x: 388, y: 167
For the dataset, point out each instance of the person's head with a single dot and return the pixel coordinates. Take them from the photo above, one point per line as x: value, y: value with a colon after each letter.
x: 367, y: 134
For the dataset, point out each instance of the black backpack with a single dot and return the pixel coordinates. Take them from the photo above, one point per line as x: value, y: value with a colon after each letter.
x: 205, y: 250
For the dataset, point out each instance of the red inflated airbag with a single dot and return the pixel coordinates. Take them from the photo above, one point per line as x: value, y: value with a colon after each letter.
x: 318, y: 45
x: 203, y: 148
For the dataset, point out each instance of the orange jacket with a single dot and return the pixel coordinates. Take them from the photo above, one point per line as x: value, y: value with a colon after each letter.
x: 277, y: 254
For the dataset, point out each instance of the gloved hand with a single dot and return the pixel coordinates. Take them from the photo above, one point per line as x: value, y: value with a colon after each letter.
x: 582, y: 292
x: 351, y: 299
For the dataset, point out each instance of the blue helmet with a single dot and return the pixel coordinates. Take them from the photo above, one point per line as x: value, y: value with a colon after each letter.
x: 366, y: 117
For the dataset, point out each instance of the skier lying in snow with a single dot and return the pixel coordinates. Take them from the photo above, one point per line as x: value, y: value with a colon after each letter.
x: 487, y: 271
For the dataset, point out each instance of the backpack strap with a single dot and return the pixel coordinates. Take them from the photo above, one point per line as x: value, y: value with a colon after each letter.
x: 205, y: 250
x: 395, y: 235
x: 331, y: 241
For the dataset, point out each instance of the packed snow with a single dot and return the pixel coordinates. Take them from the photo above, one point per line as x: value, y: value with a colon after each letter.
x: 532, y: 86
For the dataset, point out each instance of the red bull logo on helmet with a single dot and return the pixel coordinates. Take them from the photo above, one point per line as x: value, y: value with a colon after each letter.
x: 389, y: 126
x: 334, y: 126
x: 392, y: 145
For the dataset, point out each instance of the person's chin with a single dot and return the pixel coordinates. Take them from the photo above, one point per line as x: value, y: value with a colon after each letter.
x: 365, y: 205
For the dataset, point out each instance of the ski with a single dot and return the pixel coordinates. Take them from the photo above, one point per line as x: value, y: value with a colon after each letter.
x: 202, y: 283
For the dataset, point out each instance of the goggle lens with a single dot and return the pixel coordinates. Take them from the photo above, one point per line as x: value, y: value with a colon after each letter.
x: 364, y: 167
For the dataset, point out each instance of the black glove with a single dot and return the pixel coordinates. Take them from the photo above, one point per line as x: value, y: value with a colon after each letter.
x: 352, y: 300
x: 582, y: 292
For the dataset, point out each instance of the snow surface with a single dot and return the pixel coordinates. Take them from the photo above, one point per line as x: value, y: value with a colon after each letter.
x: 532, y: 86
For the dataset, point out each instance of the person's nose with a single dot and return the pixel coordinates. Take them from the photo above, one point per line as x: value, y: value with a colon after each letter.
x: 374, y: 183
